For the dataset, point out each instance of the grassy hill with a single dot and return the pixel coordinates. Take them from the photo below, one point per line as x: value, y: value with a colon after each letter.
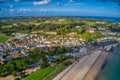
x: 3, y: 37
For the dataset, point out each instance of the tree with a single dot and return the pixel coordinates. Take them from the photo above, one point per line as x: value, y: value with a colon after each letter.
x: 62, y: 31
x: 23, y: 75
x: 14, y: 73
x: 67, y: 62
x: 0, y: 27
x: 44, y: 65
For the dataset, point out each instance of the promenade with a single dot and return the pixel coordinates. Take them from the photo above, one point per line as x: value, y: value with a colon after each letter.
x: 79, y: 69
x: 96, y: 68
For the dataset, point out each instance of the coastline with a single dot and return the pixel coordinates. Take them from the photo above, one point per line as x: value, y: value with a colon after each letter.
x: 99, y: 65
x: 106, y: 65
x: 80, y: 69
x: 96, y: 67
x: 89, y: 67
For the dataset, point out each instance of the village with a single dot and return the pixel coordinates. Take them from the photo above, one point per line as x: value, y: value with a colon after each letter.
x: 21, y: 44
x: 43, y: 48
x: 10, y: 49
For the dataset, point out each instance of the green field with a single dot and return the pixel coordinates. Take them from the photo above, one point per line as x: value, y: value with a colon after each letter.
x: 43, y: 74
x: 3, y: 37
x: 90, y: 23
x: 6, y: 26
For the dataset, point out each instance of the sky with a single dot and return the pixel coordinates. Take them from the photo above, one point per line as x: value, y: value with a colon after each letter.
x: 107, y: 8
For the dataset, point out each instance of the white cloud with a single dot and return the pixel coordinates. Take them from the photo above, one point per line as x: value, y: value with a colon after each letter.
x: 43, y: 10
x: 11, y: 8
x: 24, y: 10
x: 75, y: 2
x: 43, y: 2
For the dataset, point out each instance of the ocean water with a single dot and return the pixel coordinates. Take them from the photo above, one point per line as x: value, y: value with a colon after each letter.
x: 109, y: 19
x: 111, y: 70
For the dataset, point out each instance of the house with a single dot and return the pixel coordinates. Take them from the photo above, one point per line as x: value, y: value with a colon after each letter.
x: 56, y: 56
x: 19, y: 36
x: 23, y: 52
x: 99, y: 22
x: 118, y: 34
x: 15, y: 49
x: 115, y: 27
x: 47, y: 42
x: 69, y: 55
x: 47, y: 21
x: 72, y: 34
x: 112, y: 33
x: 51, y: 32
x: 3, y: 58
x: 77, y: 27
x: 83, y: 51
x: 41, y: 31
x: 50, y: 59
x: 91, y: 30
x: 61, y: 20
x: 101, y: 29
x: 76, y: 54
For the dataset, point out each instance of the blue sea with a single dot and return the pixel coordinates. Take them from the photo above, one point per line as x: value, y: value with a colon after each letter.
x: 109, y: 19
x: 111, y: 70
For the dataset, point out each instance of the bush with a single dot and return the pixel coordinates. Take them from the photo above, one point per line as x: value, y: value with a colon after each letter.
x: 67, y: 62
x: 14, y: 73
x: 44, y: 65
x: 17, y: 79
x: 23, y: 75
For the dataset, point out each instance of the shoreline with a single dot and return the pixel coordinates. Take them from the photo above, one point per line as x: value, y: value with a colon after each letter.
x: 96, y: 67
x: 80, y: 69
x: 114, y: 48
x: 89, y: 67
x: 99, y: 65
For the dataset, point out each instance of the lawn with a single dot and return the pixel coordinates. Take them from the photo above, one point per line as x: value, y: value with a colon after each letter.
x: 3, y: 37
x: 42, y: 74
x: 90, y: 23
x: 7, y: 26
